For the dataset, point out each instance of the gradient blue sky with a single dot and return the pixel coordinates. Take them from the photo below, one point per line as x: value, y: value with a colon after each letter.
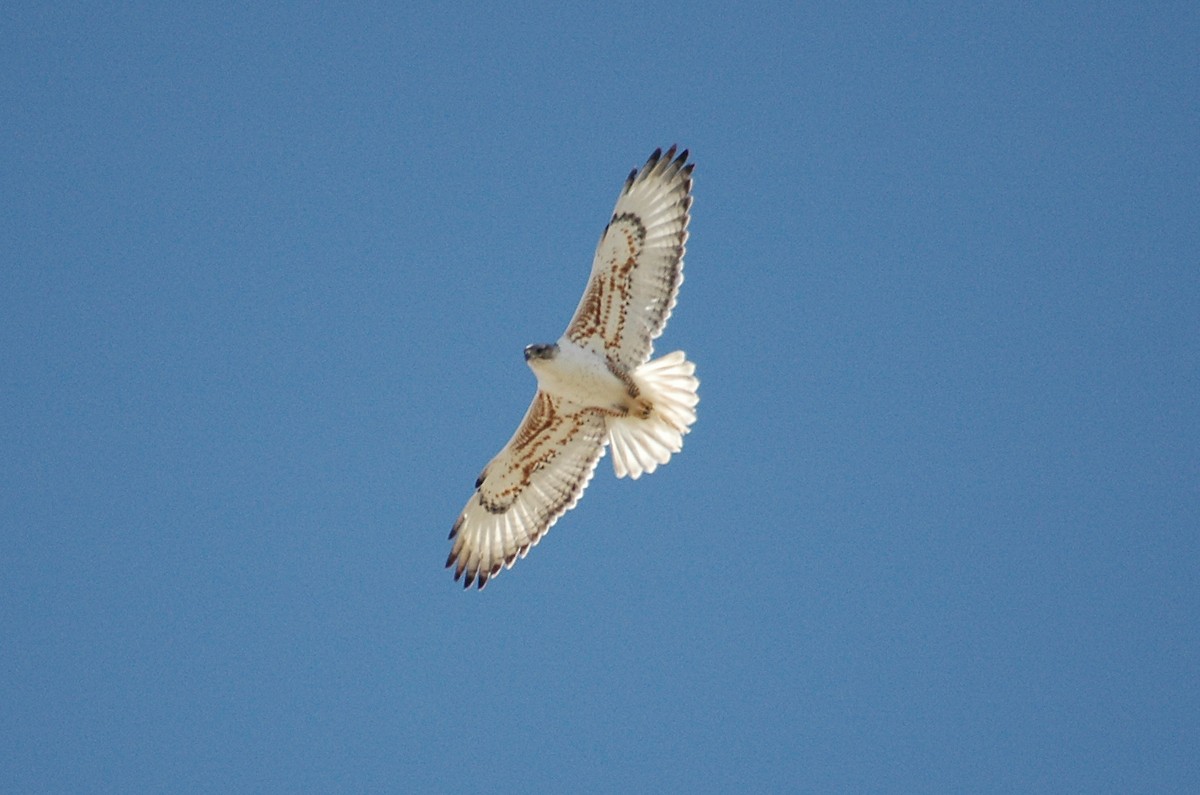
x: 265, y: 278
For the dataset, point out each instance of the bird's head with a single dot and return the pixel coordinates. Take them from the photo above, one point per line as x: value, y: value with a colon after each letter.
x: 540, y: 351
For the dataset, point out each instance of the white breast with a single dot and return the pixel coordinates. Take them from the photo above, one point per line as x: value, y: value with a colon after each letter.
x: 580, y: 376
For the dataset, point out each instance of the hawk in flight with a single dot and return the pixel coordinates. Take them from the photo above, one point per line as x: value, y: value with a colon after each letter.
x: 597, y: 385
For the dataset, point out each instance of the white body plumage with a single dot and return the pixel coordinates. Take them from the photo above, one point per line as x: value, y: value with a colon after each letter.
x: 582, y: 377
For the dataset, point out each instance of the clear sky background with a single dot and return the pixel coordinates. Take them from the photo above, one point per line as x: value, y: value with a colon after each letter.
x: 265, y: 279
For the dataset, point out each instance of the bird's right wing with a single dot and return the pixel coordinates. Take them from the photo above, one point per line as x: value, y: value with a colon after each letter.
x: 538, y: 476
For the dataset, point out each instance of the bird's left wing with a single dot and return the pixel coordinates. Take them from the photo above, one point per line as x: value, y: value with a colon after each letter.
x: 638, y: 265
x: 538, y: 476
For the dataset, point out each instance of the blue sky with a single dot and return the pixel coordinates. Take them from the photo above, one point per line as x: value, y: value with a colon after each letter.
x: 265, y: 279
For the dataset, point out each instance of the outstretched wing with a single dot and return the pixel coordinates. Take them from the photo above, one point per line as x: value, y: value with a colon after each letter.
x: 639, y: 263
x: 538, y: 476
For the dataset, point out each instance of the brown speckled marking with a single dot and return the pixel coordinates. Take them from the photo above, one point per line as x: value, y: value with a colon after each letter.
x: 551, y: 444
x: 558, y: 431
x: 638, y: 405
x: 540, y: 439
x: 605, y: 304
x: 542, y: 416
x: 587, y: 321
x: 621, y: 275
x: 536, y: 432
x: 623, y: 374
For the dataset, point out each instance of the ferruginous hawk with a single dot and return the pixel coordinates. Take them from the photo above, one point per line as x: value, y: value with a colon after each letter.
x: 596, y: 386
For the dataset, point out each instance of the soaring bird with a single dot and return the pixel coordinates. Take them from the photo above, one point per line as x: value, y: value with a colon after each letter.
x: 597, y: 385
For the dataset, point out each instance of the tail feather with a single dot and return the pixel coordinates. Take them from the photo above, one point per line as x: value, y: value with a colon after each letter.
x: 640, y: 444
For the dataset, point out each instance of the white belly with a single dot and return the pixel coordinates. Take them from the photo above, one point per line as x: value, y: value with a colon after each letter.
x: 582, y: 377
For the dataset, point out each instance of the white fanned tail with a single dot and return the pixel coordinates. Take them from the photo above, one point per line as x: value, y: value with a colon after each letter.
x: 640, y: 444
